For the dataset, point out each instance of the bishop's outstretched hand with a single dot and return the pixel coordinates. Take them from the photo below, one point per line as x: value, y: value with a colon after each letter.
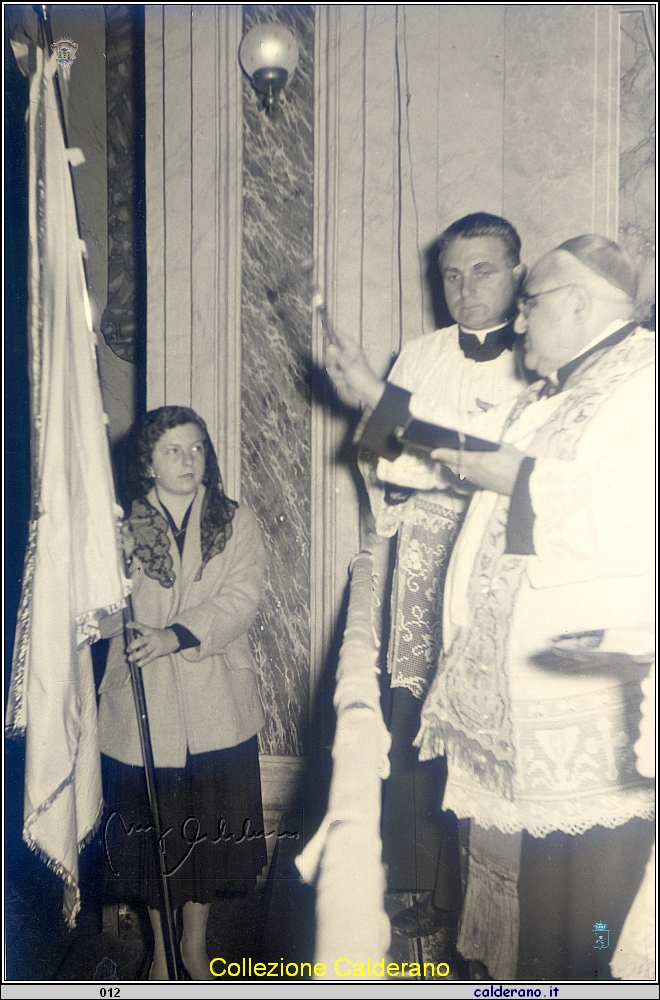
x: 356, y: 383
x: 489, y: 470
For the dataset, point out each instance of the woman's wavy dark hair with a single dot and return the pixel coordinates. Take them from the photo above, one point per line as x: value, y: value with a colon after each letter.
x: 147, y: 430
x: 217, y: 509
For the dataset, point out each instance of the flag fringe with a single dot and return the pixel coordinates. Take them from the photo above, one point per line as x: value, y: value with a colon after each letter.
x: 71, y: 883
x: 15, y: 726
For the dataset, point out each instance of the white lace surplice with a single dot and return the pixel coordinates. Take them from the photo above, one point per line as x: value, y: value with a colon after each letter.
x: 530, y: 747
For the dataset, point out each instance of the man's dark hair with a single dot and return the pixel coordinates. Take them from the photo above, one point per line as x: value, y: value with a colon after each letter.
x: 482, y: 224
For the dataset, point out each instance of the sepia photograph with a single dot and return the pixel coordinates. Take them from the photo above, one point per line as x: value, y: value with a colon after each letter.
x: 330, y: 496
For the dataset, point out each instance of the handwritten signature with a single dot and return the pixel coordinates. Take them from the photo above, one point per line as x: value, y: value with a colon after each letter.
x: 190, y: 834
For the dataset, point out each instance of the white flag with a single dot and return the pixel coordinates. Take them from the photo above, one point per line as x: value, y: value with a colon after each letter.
x: 73, y: 569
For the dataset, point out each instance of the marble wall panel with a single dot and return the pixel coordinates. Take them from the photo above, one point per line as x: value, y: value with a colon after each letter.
x: 278, y: 170
x: 120, y: 318
x: 118, y: 389
x: 637, y: 183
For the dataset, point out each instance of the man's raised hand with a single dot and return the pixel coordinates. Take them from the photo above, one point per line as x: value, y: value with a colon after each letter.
x: 356, y: 383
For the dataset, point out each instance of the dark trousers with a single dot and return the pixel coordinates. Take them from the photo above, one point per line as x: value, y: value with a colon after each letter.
x: 420, y: 841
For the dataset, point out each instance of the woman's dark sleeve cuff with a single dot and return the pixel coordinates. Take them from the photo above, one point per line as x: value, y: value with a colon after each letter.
x: 520, y: 526
x: 186, y: 639
x: 391, y: 412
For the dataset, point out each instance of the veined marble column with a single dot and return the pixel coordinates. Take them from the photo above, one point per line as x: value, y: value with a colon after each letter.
x: 278, y: 200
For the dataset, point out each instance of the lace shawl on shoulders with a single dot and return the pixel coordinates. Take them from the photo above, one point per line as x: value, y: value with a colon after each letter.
x: 152, y: 543
x: 215, y: 522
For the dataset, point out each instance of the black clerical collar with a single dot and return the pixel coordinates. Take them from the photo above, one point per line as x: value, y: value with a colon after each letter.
x: 558, y: 381
x: 494, y: 343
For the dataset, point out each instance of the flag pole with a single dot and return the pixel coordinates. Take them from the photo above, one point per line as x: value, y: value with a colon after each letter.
x: 139, y: 698
x: 169, y: 938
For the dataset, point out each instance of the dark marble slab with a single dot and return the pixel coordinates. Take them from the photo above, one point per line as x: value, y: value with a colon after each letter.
x: 278, y: 172
x: 119, y: 323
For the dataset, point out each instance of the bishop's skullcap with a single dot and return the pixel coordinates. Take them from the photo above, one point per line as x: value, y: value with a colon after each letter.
x: 606, y: 258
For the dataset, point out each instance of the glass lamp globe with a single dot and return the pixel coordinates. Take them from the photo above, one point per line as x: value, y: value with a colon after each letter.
x: 269, y: 56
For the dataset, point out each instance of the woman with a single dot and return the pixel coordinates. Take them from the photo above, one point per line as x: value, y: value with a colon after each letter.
x: 197, y: 564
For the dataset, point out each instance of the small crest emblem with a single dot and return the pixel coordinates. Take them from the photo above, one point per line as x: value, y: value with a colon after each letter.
x: 602, y: 935
x: 65, y: 50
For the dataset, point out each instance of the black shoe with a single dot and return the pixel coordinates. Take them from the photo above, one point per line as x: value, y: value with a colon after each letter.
x: 423, y: 919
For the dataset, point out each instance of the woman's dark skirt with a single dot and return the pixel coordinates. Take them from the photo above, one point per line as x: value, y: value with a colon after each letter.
x: 212, y: 822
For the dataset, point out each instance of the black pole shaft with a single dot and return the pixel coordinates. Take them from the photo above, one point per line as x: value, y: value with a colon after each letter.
x: 139, y: 698
x: 44, y: 10
x: 167, y: 925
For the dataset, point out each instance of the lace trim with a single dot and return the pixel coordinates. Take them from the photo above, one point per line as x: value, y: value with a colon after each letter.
x: 438, y: 739
x: 568, y: 750
x: 388, y: 520
x: 574, y: 816
x: 418, y: 686
x: 435, y: 515
x: 152, y: 543
x: 426, y: 540
x: 215, y: 523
